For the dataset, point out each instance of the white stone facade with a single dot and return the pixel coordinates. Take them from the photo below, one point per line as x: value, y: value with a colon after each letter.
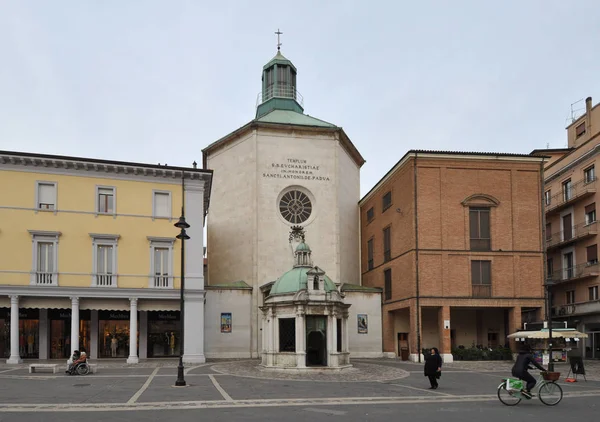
x: 245, y: 228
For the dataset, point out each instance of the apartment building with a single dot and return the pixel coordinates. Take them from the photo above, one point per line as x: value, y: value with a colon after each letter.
x: 90, y: 258
x: 571, y: 228
x: 455, y: 241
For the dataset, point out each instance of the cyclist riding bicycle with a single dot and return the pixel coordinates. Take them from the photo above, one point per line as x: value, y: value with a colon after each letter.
x: 519, y: 369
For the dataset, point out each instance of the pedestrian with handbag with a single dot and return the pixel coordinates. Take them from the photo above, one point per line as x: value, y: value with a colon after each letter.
x: 433, y: 367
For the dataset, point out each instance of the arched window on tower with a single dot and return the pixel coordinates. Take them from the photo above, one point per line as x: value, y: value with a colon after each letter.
x: 316, y: 283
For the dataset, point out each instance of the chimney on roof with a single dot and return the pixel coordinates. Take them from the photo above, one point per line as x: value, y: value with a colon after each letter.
x: 588, y: 115
x: 195, y: 164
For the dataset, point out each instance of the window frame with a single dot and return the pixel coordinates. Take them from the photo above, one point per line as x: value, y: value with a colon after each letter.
x: 384, y: 207
x: 162, y: 192
x: 114, y: 195
x: 387, y: 283
x: 578, y: 132
x: 589, y: 215
x: 370, y: 254
x: 592, y: 293
x: 291, y: 348
x: 370, y: 214
x: 482, y: 293
x: 567, y: 192
x: 548, y: 197
x: 480, y: 210
x: 38, y: 183
x: 42, y: 236
x: 387, y: 238
x: 569, y: 297
x: 586, y: 171
x: 161, y: 243
x: 111, y: 240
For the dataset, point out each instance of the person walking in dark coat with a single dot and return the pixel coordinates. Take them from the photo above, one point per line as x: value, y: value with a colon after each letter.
x: 433, y: 367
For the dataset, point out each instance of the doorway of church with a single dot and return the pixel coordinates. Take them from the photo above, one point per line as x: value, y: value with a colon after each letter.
x: 316, y: 340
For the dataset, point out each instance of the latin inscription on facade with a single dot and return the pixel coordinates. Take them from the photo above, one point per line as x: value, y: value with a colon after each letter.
x: 294, y: 168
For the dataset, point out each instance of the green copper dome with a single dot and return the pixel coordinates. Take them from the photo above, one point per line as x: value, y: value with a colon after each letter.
x: 296, y: 279
x: 302, y: 247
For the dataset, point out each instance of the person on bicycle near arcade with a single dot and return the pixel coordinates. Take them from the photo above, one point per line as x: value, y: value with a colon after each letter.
x: 521, y: 366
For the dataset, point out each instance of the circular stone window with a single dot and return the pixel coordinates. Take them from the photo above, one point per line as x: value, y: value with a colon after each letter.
x: 295, y: 206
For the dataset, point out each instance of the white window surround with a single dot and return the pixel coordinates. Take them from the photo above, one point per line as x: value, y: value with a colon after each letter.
x: 154, y: 207
x: 97, y: 200
x: 43, y: 236
x: 37, y: 195
x: 165, y: 243
x: 104, y: 240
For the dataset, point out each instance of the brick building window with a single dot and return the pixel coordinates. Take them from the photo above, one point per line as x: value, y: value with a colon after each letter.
x: 548, y: 232
x: 570, y: 297
x: 479, y: 227
x: 567, y: 227
x: 580, y: 130
x: 589, y: 174
x: 567, y: 190
x: 370, y: 214
x: 387, y: 276
x: 481, y: 278
x: 287, y: 334
x: 386, y: 201
x: 549, y: 268
x: 590, y: 213
x: 370, y: 254
x: 592, y: 254
x: 387, y: 244
x: 593, y: 292
x: 548, y: 197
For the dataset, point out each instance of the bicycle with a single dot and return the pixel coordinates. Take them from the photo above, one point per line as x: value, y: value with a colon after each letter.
x: 549, y: 392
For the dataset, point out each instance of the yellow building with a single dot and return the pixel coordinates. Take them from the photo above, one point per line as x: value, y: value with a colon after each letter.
x: 88, y: 250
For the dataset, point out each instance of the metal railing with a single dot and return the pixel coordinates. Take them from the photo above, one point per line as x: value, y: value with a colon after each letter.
x: 162, y: 281
x: 579, y: 308
x: 578, y: 231
x: 44, y: 278
x: 567, y: 195
x: 588, y: 269
x: 481, y: 290
x: 283, y: 91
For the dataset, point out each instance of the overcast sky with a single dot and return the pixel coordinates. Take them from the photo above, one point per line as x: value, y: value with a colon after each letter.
x: 157, y: 81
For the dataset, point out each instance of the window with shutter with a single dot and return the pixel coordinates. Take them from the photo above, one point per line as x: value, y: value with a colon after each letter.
x: 592, y: 254
x: 46, y: 199
x: 590, y: 213
x: 106, y: 200
x: 162, y: 204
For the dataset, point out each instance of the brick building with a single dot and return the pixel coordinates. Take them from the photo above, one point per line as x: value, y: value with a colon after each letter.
x: 474, y: 272
x: 571, y: 228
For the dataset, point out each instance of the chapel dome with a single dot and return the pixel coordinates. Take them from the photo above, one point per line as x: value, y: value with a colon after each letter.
x: 296, y: 279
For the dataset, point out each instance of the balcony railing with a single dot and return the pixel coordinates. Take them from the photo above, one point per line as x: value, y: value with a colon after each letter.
x: 481, y: 290
x: 162, y: 281
x: 44, y: 278
x: 589, y: 269
x: 565, y: 197
x: 590, y: 307
x: 579, y: 231
x: 284, y: 91
x: 104, y: 280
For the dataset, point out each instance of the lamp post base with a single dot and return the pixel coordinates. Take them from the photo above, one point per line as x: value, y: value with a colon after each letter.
x: 180, y: 380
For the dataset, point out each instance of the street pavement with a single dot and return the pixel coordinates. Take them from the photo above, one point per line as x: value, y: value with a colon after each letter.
x: 242, y: 393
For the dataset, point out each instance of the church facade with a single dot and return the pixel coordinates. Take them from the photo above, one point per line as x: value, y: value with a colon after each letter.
x: 283, y: 169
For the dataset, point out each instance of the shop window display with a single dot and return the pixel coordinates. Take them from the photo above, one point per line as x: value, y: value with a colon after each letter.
x: 164, y: 334
x: 113, y: 337
x: 60, y: 332
x: 28, y: 333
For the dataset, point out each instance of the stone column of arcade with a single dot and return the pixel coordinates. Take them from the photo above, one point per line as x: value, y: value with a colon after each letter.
x: 300, y: 340
x: 14, y: 358
x: 133, y: 329
x: 444, y: 332
x: 75, y: 325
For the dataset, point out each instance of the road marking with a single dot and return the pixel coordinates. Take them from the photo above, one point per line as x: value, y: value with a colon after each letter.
x: 8, y: 370
x: 328, y: 411
x: 226, y: 396
x: 210, y: 404
x: 421, y: 389
x: 137, y: 395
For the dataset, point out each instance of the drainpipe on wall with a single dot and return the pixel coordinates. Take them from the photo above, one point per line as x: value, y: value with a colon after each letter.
x: 417, y: 259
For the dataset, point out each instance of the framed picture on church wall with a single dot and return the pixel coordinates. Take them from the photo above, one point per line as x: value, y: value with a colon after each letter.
x: 226, y: 322
x: 363, y: 324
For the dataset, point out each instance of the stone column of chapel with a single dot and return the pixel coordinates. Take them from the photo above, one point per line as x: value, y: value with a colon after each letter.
x: 300, y: 339
x: 133, y: 328
x: 75, y: 324
x: 14, y: 358
x: 334, y: 338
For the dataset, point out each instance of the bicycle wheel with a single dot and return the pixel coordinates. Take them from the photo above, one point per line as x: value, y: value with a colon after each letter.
x: 506, y: 397
x: 83, y: 369
x: 550, y: 393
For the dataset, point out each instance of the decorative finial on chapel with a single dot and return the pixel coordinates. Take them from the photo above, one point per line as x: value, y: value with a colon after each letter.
x: 297, y: 233
x: 278, y: 39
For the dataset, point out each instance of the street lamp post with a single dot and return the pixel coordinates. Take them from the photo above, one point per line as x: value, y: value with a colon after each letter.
x: 548, y: 302
x: 182, y: 225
